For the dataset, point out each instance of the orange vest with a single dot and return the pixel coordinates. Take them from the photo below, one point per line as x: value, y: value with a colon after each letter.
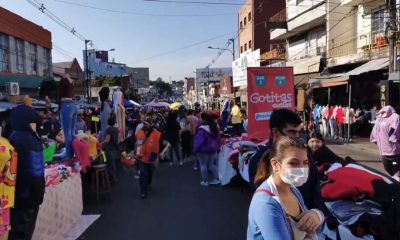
x: 149, y: 147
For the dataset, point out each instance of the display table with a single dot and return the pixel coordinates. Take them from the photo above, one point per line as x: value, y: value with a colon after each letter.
x: 61, y: 208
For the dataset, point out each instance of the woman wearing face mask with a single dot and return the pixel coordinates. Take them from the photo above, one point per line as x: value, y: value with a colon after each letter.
x: 277, y: 210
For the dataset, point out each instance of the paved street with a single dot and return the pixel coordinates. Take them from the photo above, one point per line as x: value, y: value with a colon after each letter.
x: 361, y: 150
x: 177, y: 208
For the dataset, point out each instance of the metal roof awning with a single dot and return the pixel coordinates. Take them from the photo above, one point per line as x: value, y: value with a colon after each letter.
x: 370, y: 66
x: 342, y: 79
x: 29, y: 82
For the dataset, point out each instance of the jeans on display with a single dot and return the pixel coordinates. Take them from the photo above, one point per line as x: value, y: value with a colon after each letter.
x: 68, y: 115
x: 332, y: 124
x: 340, y: 128
x: 347, y: 134
x: 324, y: 127
x: 316, y: 126
x: 207, y: 163
x: 145, y: 176
x: 23, y: 222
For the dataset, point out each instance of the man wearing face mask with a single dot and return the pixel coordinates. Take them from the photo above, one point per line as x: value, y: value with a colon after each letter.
x: 148, y: 148
x: 284, y: 122
x: 30, y: 185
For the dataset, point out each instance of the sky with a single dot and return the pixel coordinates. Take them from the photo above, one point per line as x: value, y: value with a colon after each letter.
x: 172, y: 47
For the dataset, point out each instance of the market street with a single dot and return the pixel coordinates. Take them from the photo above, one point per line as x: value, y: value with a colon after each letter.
x: 176, y: 208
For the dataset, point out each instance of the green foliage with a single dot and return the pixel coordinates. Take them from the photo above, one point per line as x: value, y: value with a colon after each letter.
x: 162, y: 87
x: 109, y: 81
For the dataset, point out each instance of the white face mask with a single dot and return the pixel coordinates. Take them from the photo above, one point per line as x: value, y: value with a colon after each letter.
x: 295, y: 176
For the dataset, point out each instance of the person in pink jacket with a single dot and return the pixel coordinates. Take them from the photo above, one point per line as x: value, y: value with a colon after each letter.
x: 386, y: 134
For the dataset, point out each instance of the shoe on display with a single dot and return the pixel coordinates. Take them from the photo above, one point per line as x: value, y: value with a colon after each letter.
x: 204, y: 183
x: 180, y: 163
x: 137, y: 176
x: 215, y: 182
x: 143, y: 195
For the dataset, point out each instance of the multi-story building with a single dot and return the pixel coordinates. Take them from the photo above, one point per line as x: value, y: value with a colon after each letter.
x: 302, y: 24
x: 333, y: 45
x: 254, y: 32
x: 25, y: 53
x: 99, y: 65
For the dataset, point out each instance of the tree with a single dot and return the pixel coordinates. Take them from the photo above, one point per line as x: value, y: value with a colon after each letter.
x: 163, y: 87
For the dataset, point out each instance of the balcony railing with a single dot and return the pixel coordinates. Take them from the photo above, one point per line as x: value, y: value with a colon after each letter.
x: 274, y: 54
x: 368, y: 46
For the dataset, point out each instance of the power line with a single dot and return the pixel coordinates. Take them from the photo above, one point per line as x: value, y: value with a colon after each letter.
x: 142, y: 14
x: 41, y: 7
x: 198, y: 2
x: 185, y: 47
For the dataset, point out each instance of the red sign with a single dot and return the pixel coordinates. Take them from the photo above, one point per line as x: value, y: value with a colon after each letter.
x: 267, y: 89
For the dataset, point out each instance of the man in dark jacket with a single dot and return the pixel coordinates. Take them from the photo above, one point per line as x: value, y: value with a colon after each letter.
x: 30, y: 185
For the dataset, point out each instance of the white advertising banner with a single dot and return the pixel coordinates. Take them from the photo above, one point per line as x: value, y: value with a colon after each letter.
x: 239, y: 66
x: 212, y: 74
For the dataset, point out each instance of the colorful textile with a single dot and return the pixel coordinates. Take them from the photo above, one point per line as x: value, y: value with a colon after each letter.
x: 339, y: 187
x: 81, y: 150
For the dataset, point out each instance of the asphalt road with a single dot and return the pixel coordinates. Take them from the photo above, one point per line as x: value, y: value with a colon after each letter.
x: 176, y: 208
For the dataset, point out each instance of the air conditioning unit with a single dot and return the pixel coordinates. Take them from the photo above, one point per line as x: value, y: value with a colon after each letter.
x: 12, y: 88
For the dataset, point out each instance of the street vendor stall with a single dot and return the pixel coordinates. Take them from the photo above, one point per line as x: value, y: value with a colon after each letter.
x: 62, y: 205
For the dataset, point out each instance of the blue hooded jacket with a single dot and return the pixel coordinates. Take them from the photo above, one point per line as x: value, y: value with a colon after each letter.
x: 30, y: 184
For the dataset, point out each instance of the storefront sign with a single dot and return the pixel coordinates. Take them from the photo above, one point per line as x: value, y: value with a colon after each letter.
x: 239, y: 66
x: 267, y: 89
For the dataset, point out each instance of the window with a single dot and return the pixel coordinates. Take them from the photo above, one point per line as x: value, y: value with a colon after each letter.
x: 241, y: 49
x: 19, y: 54
x: 241, y: 25
x: 250, y: 44
x: 46, y: 62
x: 4, y: 50
x: 249, y: 16
x: 378, y: 23
x: 244, y: 21
x: 32, y: 68
x: 245, y: 47
x: 299, y: 1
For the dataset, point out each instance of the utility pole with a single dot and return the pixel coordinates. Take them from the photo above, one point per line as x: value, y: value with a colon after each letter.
x: 392, y: 34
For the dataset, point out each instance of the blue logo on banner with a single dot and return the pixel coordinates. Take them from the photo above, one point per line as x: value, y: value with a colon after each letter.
x: 262, y: 116
x: 280, y: 81
x: 261, y: 80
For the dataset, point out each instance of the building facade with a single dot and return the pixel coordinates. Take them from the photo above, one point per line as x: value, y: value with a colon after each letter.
x: 25, y: 52
x: 331, y: 46
x: 99, y: 65
x: 254, y: 32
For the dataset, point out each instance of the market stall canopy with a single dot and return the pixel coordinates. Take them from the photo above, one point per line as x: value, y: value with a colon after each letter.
x: 2, y: 109
x: 84, y: 105
x: 42, y: 104
x: 155, y: 104
x: 29, y: 82
x: 342, y: 79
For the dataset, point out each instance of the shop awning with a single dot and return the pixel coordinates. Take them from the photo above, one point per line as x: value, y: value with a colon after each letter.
x: 29, y: 82
x: 370, y: 66
x: 328, y: 81
x: 342, y: 79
